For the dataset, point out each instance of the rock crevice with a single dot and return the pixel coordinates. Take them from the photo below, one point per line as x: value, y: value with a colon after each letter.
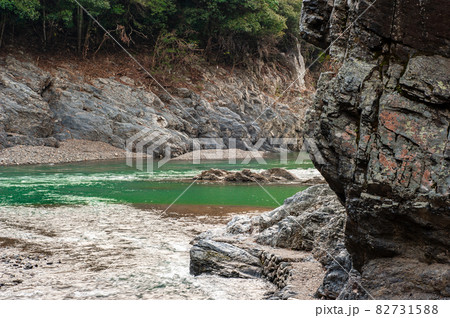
x: 380, y: 131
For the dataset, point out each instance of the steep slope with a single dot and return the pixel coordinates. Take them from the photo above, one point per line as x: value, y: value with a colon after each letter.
x: 381, y: 128
x: 39, y: 107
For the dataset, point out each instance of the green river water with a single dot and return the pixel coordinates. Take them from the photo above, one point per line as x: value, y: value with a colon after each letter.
x: 115, y: 182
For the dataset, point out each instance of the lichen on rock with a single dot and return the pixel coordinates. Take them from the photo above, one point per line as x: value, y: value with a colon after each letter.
x: 381, y: 127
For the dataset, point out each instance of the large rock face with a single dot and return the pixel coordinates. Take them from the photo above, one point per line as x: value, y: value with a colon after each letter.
x: 381, y: 128
x: 36, y: 105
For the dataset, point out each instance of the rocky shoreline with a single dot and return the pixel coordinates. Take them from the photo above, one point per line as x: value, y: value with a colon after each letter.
x: 298, y: 247
x: 40, y: 108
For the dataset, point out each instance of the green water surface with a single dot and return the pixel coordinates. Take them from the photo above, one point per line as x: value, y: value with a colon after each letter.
x: 115, y: 182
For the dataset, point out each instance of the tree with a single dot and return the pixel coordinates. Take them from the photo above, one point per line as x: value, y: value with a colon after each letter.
x: 229, y: 27
x: 237, y: 26
x: 24, y: 9
x: 17, y: 10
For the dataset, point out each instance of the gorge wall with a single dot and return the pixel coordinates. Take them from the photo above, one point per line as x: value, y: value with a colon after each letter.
x: 380, y: 126
x: 40, y: 107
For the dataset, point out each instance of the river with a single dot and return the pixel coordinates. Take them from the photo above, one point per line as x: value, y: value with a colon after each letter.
x: 96, y: 230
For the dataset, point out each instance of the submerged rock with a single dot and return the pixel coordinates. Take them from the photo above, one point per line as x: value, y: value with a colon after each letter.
x: 379, y: 132
x: 247, y: 175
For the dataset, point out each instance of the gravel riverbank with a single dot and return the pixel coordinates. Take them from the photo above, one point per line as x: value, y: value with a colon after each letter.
x: 72, y: 150
x: 76, y: 150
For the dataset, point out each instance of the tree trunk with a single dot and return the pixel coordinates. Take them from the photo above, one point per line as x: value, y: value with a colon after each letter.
x: 3, y: 29
x: 44, y: 31
x: 80, y: 28
x: 86, y: 39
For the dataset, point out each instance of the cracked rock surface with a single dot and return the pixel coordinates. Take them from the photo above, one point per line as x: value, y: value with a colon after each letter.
x: 299, y: 247
x: 381, y: 126
x: 38, y: 108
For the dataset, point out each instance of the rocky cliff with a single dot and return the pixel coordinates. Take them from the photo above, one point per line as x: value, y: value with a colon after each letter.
x: 381, y: 128
x: 41, y: 108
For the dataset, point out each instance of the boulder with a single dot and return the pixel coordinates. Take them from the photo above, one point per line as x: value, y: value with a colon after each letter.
x: 23, y: 111
x: 247, y: 175
x: 208, y: 256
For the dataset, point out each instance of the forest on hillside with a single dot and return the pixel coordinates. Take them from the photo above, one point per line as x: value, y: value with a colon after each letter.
x: 227, y: 30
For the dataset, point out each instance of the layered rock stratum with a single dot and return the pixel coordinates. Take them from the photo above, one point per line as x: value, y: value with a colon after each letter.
x: 380, y: 129
x: 41, y: 108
